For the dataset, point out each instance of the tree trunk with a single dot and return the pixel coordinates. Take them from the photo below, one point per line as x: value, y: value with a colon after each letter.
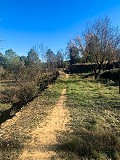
x: 98, y: 67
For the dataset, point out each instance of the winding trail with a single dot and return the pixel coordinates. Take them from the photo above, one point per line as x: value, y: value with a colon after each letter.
x: 44, y: 138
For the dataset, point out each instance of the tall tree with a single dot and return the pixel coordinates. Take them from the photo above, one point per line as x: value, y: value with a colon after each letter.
x: 73, y: 52
x: 33, y: 57
x: 12, y: 62
x: 34, y: 65
x: 50, y: 59
x: 102, y: 41
x: 41, y: 50
x: 59, y: 59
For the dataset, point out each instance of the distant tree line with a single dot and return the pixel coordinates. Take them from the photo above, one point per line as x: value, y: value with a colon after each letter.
x: 32, y: 66
x: 28, y: 75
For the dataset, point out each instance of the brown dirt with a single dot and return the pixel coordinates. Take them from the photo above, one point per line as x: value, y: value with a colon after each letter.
x: 42, y: 141
x: 44, y: 137
x: 63, y: 75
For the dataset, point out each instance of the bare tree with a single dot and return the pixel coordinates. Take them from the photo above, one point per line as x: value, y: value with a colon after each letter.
x: 41, y: 49
x: 102, y: 41
x: 59, y: 59
x: 50, y: 59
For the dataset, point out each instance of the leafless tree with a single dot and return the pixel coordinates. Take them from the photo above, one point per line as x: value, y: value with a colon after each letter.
x: 102, y: 41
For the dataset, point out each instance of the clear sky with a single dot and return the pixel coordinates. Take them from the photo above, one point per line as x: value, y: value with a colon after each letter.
x: 54, y: 22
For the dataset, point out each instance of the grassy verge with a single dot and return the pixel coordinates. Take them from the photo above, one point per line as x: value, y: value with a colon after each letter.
x: 15, y: 133
x: 95, y: 110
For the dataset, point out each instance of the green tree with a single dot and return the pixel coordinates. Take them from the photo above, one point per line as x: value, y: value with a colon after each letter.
x: 2, y: 60
x: 73, y: 52
x: 24, y: 60
x: 12, y: 59
x: 34, y: 65
x: 33, y: 57
x: 12, y: 63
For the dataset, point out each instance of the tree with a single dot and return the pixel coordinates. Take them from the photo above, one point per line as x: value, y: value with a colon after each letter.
x: 2, y: 60
x: 102, y: 41
x: 34, y: 65
x: 50, y: 59
x: 24, y: 60
x: 73, y: 52
x: 33, y: 57
x: 59, y: 59
x: 12, y: 62
x: 41, y: 50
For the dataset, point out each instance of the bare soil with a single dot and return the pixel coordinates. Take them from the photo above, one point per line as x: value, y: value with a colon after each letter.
x: 44, y: 137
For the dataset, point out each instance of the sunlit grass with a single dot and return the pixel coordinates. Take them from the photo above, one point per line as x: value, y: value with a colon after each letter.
x: 95, y: 110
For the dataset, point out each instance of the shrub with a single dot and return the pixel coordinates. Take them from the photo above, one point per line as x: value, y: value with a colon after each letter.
x: 44, y: 81
x: 27, y: 92
x: 112, y: 74
x: 9, y: 96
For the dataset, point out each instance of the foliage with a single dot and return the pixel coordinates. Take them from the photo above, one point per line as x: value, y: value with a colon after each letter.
x: 73, y: 52
x: 2, y: 60
x: 33, y: 57
x: 12, y: 59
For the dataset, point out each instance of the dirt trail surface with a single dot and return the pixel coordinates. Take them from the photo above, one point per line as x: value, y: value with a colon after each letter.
x: 33, y: 132
x: 44, y: 137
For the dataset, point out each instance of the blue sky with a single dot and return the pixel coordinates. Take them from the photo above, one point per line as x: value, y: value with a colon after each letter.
x: 54, y: 22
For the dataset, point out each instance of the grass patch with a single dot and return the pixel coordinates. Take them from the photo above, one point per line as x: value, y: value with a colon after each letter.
x: 95, y: 110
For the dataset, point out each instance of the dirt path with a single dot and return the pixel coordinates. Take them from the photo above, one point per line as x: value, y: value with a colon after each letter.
x: 44, y: 138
